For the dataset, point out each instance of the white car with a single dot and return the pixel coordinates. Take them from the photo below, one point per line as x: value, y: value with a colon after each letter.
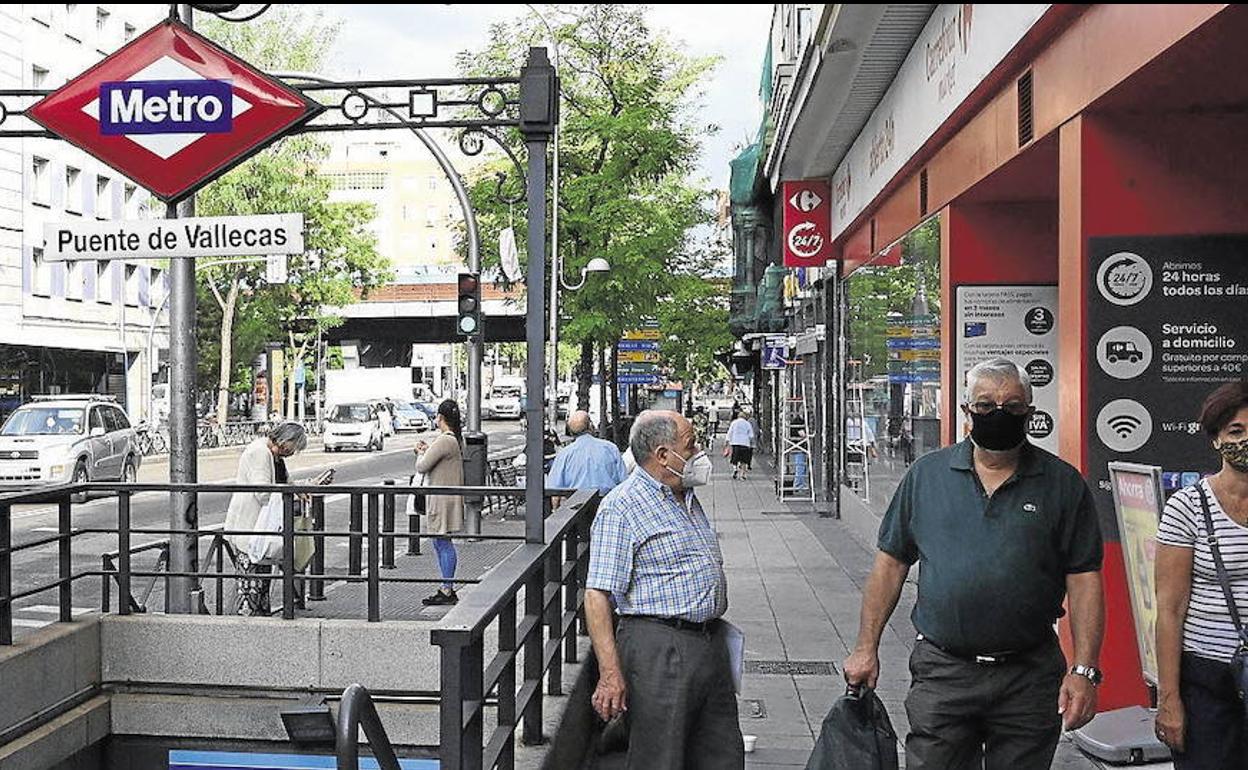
x: 411, y: 417
x: 64, y: 439
x: 353, y: 426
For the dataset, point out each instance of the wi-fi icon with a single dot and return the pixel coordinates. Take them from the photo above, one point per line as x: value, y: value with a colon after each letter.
x: 1124, y: 424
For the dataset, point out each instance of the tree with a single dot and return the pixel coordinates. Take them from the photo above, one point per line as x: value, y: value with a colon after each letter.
x: 341, y: 257
x: 628, y: 145
x: 694, y: 321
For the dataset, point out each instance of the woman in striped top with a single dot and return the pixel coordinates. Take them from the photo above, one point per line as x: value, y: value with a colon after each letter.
x: 1200, y: 714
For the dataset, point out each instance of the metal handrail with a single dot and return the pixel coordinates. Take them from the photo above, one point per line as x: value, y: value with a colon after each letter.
x: 355, y: 711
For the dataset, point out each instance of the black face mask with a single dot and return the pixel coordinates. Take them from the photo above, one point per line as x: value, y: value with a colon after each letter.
x: 998, y: 431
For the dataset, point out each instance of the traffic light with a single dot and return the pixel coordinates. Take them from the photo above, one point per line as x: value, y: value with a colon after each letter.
x: 469, y: 321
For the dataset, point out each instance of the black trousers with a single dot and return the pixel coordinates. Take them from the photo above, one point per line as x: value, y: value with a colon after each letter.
x: 682, y: 708
x: 963, y: 713
x: 1216, y: 719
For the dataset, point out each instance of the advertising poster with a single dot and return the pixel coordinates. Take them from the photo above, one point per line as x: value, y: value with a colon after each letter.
x: 1137, y: 505
x: 1018, y: 323
x: 1166, y: 319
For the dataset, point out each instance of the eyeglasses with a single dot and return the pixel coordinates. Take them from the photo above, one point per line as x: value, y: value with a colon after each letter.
x: 1016, y: 408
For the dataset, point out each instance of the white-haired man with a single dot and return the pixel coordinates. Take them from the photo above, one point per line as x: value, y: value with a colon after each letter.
x: 1003, y: 531
x: 654, y: 554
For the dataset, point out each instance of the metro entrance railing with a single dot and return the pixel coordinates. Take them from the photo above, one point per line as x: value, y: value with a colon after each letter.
x: 534, y: 596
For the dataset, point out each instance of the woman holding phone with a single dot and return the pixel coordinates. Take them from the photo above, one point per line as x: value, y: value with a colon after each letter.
x: 442, y: 464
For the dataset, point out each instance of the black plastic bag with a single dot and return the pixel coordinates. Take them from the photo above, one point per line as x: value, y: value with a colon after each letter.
x: 856, y: 735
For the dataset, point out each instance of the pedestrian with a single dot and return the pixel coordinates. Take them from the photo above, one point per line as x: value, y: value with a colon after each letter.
x: 442, y: 464
x: 654, y: 555
x: 588, y: 462
x: 262, y: 462
x: 797, y: 432
x: 741, y: 440
x: 1005, y: 532
x: 1200, y: 714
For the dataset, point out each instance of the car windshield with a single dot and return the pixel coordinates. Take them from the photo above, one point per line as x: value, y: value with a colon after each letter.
x: 407, y: 409
x: 350, y: 413
x: 43, y: 421
x: 504, y: 391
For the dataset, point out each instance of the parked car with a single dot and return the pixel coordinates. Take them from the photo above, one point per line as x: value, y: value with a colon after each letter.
x: 353, y: 426
x: 410, y: 417
x: 64, y: 439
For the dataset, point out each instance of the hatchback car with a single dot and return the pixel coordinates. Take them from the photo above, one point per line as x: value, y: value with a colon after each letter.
x: 410, y: 417
x: 64, y: 439
x: 353, y: 426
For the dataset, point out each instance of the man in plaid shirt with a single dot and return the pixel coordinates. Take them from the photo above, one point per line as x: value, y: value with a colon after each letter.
x: 654, y: 555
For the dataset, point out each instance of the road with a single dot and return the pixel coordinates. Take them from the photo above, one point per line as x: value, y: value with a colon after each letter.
x: 151, y: 510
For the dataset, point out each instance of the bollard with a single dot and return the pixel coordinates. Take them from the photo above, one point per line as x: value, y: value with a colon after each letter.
x: 476, y: 465
x: 316, y: 588
x: 355, y: 551
x: 387, y: 528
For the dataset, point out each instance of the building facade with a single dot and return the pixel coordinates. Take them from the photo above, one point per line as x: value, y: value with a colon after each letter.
x: 71, y: 327
x: 1058, y: 184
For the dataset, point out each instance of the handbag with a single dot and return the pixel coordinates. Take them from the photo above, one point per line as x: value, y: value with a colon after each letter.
x: 1239, y: 661
x: 417, y: 505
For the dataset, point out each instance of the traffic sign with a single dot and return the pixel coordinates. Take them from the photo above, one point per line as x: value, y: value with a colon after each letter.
x: 243, y: 236
x: 638, y: 356
x: 775, y: 353
x: 641, y: 334
x: 172, y: 110
x: 638, y: 345
x: 637, y: 379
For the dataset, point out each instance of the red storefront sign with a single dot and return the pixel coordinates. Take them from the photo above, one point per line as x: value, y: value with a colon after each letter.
x: 172, y: 110
x: 807, y: 223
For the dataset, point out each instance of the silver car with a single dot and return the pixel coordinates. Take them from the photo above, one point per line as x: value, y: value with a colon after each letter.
x: 63, y: 439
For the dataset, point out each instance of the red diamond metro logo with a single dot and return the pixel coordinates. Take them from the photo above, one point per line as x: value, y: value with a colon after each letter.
x: 172, y: 110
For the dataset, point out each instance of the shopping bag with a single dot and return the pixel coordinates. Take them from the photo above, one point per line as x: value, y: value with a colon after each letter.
x: 856, y: 735
x: 305, y: 545
x: 267, y: 548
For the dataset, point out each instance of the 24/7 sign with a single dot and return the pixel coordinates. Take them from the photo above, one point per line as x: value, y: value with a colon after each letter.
x: 807, y: 223
x: 172, y: 110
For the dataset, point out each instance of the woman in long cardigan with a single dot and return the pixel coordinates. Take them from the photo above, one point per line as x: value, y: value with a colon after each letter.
x: 442, y: 463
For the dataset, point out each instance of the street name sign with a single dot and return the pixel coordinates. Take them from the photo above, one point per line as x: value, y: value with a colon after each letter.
x: 255, y: 235
x: 172, y: 110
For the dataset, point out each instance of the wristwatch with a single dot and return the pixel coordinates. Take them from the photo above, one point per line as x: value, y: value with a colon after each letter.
x: 1091, y: 673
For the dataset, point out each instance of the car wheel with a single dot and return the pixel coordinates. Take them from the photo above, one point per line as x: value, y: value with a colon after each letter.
x: 129, y: 472
x: 81, y: 476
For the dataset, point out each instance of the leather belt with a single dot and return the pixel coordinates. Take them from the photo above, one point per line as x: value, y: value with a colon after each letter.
x: 983, y: 659
x: 680, y: 624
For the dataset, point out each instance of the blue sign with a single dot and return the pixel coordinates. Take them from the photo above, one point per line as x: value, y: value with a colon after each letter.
x: 912, y: 343
x: 233, y: 760
x: 635, y: 345
x: 638, y: 379
x: 775, y: 351
x: 132, y: 107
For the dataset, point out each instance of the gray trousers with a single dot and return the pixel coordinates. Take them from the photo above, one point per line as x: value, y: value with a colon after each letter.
x: 963, y: 714
x: 682, y: 709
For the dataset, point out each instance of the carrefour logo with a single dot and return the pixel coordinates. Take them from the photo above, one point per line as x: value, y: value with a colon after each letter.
x: 165, y: 107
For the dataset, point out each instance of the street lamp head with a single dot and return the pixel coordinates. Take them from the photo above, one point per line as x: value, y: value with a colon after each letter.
x: 598, y: 265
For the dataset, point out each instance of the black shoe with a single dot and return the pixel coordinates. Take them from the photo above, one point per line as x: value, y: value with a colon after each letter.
x: 441, y: 598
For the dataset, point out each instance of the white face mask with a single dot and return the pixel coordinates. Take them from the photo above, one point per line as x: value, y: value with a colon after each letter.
x: 697, y: 471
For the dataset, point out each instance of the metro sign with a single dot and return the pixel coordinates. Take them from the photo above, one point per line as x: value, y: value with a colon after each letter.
x: 172, y: 110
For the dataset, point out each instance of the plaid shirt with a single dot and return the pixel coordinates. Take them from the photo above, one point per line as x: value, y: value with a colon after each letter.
x: 653, y: 556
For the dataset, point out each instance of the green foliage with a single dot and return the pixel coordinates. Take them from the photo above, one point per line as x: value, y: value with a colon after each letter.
x: 695, y: 324
x: 628, y: 143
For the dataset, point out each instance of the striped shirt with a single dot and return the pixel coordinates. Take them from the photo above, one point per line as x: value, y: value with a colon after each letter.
x: 1208, y: 631
x: 654, y: 556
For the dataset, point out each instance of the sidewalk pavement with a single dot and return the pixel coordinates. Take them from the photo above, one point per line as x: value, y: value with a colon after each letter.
x: 794, y: 585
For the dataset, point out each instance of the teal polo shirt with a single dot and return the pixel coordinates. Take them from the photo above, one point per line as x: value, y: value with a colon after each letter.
x: 992, y: 571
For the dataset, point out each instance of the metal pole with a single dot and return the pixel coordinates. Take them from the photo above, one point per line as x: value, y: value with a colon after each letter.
x: 538, y: 114
x: 183, y: 455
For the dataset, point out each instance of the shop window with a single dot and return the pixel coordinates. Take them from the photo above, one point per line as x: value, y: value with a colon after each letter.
x: 892, y: 376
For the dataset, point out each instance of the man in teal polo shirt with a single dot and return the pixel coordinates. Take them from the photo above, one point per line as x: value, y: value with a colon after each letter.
x: 1003, y: 531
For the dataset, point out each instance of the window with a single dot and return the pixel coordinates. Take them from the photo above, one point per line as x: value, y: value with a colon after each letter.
x: 130, y: 32
x: 130, y: 202
x: 433, y: 183
x: 156, y: 290
x: 115, y: 419
x: 101, y: 20
x: 38, y: 76
x: 42, y: 178
x: 40, y: 274
x: 96, y: 420
x: 104, y: 282
x: 409, y: 212
x: 131, y: 285
x: 104, y: 198
x: 73, y: 190
x: 74, y: 277
x: 358, y: 180
x: 72, y: 22
x: 431, y: 216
